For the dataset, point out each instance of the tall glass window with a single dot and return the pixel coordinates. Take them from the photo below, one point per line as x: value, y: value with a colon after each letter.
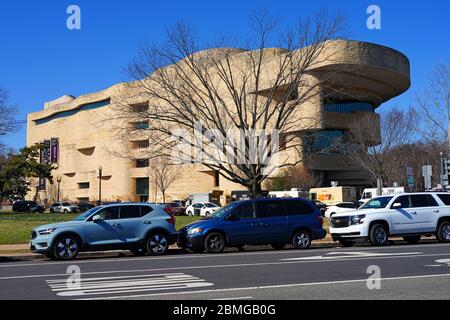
x: 142, y: 186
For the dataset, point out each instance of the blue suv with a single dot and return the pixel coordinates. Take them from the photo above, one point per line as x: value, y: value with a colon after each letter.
x: 139, y: 227
x: 255, y: 222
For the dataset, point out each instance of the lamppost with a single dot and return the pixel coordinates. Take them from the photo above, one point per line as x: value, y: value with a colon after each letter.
x: 100, y: 171
x: 58, y: 180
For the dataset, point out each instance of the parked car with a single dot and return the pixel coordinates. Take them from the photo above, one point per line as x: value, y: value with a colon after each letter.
x: 85, y: 206
x: 63, y: 207
x: 408, y: 215
x: 255, y: 222
x: 175, y: 208
x: 203, y: 209
x: 138, y: 227
x: 341, y: 207
x: 322, y: 207
x: 27, y: 206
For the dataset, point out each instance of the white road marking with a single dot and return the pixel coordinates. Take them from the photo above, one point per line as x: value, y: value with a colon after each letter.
x: 223, y: 266
x: 444, y: 261
x: 234, y: 298
x: 196, y: 256
x: 129, y: 284
x: 275, y: 286
x: 351, y: 254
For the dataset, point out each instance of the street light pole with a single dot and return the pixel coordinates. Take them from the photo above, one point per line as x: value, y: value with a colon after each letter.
x: 58, y: 179
x: 100, y: 171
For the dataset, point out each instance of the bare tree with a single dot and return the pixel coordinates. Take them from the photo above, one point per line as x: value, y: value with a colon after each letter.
x: 197, y: 97
x: 7, y: 122
x: 380, y: 153
x: 163, y: 174
x: 294, y: 177
x: 434, y: 106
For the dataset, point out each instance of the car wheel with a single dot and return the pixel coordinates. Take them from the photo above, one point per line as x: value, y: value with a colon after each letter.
x: 207, y: 214
x: 412, y: 239
x: 157, y: 243
x: 301, y: 239
x: 215, y: 242
x: 66, y: 248
x: 138, y: 251
x: 346, y: 243
x: 378, y: 235
x: 443, y: 232
x: 66, y: 211
x: 278, y: 246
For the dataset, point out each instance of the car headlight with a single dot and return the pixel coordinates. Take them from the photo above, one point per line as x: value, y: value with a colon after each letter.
x: 357, y: 219
x: 194, y: 231
x: 47, y: 231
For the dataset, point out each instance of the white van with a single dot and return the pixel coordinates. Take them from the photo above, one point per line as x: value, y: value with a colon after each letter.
x: 373, y: 192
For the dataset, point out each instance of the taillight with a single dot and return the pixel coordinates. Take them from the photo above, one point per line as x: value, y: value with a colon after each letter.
x: 320, y: 219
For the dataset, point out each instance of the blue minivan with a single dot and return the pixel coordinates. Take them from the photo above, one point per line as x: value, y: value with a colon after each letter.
x: 275, y: 222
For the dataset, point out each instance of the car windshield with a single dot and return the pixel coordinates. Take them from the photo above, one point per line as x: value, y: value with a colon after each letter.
x: 222, y: 212
x: 210, y: 205
x: 66, y: 204
x: 86, y: 214
x: 377, y: 203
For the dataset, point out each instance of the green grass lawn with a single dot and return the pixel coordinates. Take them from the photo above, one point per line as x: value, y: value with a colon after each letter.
x: 15, y: 228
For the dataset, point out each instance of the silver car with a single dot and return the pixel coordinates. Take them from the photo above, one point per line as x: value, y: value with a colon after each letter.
x: 63, y: 207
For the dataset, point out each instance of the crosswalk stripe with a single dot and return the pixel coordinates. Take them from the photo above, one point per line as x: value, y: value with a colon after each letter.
x: 127, y: 284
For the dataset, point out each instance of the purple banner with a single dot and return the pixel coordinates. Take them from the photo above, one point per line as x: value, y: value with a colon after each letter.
x: 54, y: 150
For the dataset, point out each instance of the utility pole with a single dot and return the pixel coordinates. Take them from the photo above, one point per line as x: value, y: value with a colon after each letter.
x: 100, y: 171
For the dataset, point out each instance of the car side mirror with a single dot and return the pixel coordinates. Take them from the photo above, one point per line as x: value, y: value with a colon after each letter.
x: 96, y: 218
x: 396, y: 205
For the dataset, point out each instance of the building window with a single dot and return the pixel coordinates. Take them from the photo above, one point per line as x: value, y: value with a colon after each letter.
x: 142, y: 187
x: 143, y: 144
x: 140, y: 107
x: 216, y: 179
x: 141, y: 125
x: 324, y: 141
x: 142, y: 163
x: 348, y: 107
x: 84, y: 185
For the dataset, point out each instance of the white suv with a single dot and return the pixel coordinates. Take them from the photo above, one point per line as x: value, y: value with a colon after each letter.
x: 409, y: 215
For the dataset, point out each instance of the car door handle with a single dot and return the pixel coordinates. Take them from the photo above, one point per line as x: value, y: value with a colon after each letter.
x: 436, y: 211
x: 147, y: 222
x: 413, y: 212
x: 116, y: 224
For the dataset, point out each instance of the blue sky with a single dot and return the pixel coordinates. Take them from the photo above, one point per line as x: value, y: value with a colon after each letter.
x: 40, y: 59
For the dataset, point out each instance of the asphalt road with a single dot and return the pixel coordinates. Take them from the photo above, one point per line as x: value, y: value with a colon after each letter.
x: 407, y: 272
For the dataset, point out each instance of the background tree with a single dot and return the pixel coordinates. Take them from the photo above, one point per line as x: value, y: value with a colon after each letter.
x: 294, y: 177
x: 17, y: 168
x: 7, y: 121
x: 162, y: 175
x: 380, y: 153
x: 434, y: 107
x: 264, y: 89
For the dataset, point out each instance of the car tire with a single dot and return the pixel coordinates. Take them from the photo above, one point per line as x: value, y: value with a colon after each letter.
x: 66, y: 211
x: 346, y: 243
x: 66, y: 247
x: 214, y: 242
x: 301, y: 239
x: 378, y: 235
x: 412, y: 239
x: 443, y: 232
x: 207, y: 214
x: 138, y: 252
x: 278, y: 246
x: 157, y: 243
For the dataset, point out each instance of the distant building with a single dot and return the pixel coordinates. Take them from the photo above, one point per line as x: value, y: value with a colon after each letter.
x: 367, y: 76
